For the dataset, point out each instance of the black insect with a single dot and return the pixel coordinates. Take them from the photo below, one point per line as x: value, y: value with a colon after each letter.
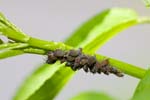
x: 51, y: 57
x: 77, y: 60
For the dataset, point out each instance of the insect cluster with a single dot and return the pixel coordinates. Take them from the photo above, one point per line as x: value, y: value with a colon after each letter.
x: 77, y: 60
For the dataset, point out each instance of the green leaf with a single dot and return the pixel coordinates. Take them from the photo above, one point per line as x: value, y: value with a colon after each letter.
x: 11, y: 31
x: 147, y: 3
x: 38, y: 78
x: 94, y: 32
x: 52, y: 86
x: 92, y: 96
x: 101, y: 28
x: 143, y: 88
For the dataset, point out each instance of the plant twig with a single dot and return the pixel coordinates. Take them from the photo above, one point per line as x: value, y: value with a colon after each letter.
x: 37, y: 46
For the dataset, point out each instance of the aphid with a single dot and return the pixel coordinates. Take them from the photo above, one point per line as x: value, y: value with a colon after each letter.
x: 104, y: 66
x: 104, y: 63
x: 83, y: 61
x: 69, y: 64
x: 74, y: 67
x: 95, y: 68
x: 85, y: 68
x: 105, y: 70
x: 51, y: 58
x: 70, y: 58
x: 91, y: 60
x: 59, y: 53
x: 62, y: 60
x: 76, y: 60
x: 75, y: 53
x: 116, y: 72
x: 119, y: 74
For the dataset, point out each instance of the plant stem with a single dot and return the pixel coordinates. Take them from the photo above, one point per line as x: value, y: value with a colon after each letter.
x: 37, y: 46
x: 144, y: 20
x: 10, y: 53
x: 47, y: 45
x: 34, y: 51
x: 124, y: 67
x: 13, y: 46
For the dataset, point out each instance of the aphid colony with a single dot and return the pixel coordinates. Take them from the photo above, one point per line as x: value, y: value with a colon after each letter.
x: 77, y: 60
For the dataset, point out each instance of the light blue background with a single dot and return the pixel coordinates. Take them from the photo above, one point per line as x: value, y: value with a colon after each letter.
x: 55, y: 20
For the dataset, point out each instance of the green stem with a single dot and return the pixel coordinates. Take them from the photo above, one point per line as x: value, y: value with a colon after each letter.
x: 12, y: 32
x: 47, y: 45
x: 34, y: 51
x: 38, y: 46
x: 144, y: 20
x: 124, y: 67
x: 13, y: 46
x: 129, y: 69
x: 10, y: 53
